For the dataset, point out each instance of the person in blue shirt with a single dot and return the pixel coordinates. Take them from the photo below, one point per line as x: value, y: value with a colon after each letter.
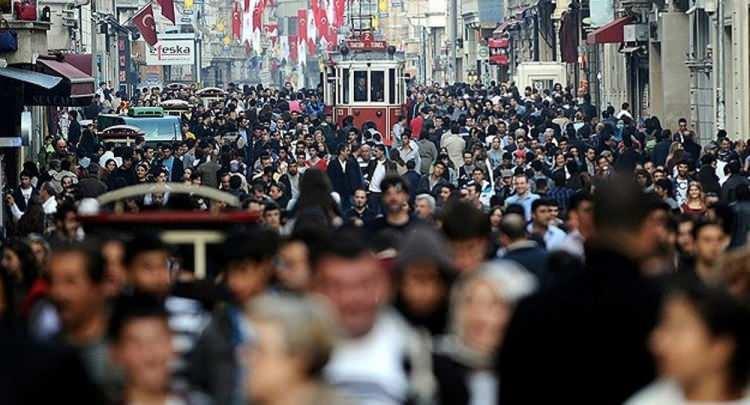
x: 523, y: 196
x: 540, y: 224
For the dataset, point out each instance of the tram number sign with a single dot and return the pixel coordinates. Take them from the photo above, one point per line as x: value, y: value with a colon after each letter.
x: 365, y: 44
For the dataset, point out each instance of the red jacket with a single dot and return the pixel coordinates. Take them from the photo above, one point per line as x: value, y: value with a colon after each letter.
x: 416, y: 127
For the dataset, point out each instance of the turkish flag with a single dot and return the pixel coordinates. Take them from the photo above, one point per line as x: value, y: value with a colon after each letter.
x: 321, y: 20
x: 271, y: 31
x: 293, y: 48
x: 302, y: 25
x: 236, y: 21
x: 144, y: 21
x: 167, y: 9
x: 339, y: 7
x: 258, y: 15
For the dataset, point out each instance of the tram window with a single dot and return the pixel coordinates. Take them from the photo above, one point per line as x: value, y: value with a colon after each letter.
x: 377, y: 93
x: 360, y: 86
x: 392, y: 86
x: 345, y: 86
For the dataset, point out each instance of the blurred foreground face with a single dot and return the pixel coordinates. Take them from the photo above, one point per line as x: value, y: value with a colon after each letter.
x: 144, y: 351
x: 469, y: 254
x: 482, y: 316
x: 12, y: 264
x: 710, y: 243
x: 149, y: 273
x: 293, y: 269
x: 116, y: 277
x: 422, y: 288
x: 77, y: 297
x: 247, y: 279
x: 683, y: 347
x: 356, y: 288
x: 272, y: 368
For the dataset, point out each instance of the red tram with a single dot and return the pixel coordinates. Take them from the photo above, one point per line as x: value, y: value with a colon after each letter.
x: 364, y: 79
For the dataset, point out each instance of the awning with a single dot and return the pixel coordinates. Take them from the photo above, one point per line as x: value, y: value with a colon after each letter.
x: 504, y: 26
x: 75, y: 88
x: 81, y: 61
x: 41, y: 80
x: 609, y: 33
x: 81, y: 84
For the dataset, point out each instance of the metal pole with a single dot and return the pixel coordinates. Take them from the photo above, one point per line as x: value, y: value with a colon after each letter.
x: 424, y: 54
x: 452, y: 36
x: 198, y: 52
x: 94, y: 27
x: 720, y: 82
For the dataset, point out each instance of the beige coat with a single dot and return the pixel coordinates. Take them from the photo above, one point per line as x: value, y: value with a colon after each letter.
x: 455, y: 145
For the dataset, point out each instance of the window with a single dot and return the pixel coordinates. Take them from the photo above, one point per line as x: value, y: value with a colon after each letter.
x: 360, y: 86
x: 392, y: 86
x: 377, y: 91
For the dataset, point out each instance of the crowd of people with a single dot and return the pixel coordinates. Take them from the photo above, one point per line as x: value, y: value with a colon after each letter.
x: 496, y: 245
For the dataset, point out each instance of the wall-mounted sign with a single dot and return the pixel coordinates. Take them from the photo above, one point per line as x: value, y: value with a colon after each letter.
x: 168, y: 51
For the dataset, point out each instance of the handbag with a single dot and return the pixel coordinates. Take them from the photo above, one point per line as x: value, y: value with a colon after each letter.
x: 25, y: 10
x: 8, y: 37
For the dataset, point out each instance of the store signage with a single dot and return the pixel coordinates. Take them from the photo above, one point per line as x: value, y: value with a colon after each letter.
x: 171, y: 52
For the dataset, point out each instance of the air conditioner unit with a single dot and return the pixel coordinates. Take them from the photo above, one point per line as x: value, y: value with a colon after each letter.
x: 636, y: 33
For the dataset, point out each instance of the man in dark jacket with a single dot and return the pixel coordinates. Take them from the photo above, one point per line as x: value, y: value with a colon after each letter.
x: 661, y: 150
x: 520, y: 249
x: 345, y: 175
x: 707, y: 175
x: 74, y: 130
x: 90, y: 186
x: 728, y: 189
x: 585, y: 339
x: 213, y: 366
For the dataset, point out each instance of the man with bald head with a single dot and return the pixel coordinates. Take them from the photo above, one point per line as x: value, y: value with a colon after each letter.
x: 519, y: 248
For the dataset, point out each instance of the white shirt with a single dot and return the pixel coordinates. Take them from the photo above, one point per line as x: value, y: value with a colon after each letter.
x: 665, y: 392
x: 370, y: 369
x: 377, y: 176
x: 553, y: 236
x: 49, y: 207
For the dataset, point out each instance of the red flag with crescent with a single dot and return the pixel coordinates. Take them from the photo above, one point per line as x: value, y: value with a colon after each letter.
x: 302, y: 25
x: 258, y: 15
x: 293, y: 50
x: 236, y: 21
x: 339, y: 7
x: 167, y: 9
x: 144, y: 21
x: 321, y: 19
x: 271, y: 30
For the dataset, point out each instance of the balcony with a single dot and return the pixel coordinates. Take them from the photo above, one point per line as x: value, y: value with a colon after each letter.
x: 32, y: 41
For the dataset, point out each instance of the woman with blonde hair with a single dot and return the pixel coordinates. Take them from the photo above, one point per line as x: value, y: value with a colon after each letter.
x: 291, y: 340
x: 481, y: 305
x: 676, y: 154
x: 695, y: 204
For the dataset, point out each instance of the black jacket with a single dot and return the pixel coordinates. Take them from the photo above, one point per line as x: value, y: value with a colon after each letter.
x: 728, y: 189
x: 583, y: 340
x: 343, y: 182
x: 709, y: 180
x: 532, y: 257
x: 20, y: 201
x: 660, y: 152
x: 424, y: 185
